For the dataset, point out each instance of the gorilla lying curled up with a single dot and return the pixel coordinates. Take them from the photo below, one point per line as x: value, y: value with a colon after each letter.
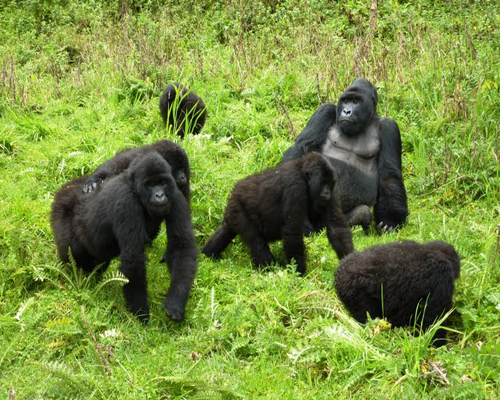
x: 182, y: 109
x: 120, y: 218
x: 276, y: 204
x: 365, y: 151
x: 407, y: 283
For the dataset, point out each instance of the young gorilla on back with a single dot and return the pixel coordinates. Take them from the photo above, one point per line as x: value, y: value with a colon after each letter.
x: 170, y: 151
x: 407, y: 283
x: 277, y: 203
x: 120, y: 218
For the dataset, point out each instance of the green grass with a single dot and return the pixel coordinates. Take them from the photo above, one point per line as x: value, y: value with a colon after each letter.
x: 79, y: 82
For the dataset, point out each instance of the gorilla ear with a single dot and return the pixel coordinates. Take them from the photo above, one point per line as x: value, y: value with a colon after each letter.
x: 181, y: 177
x: 308, y: 169
x: 374, y: 98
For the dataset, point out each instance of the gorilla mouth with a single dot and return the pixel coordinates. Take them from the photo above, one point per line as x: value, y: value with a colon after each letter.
x: 160, y: 208
x: 346, y: 120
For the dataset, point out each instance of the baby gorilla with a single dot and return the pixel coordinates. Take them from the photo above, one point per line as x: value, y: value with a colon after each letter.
x: 277, y: 204
x: 407, y: 283
x: 120, y: 218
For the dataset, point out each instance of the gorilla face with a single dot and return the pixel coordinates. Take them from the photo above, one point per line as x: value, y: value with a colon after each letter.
x: 158, y: 191
x: 320, y: 181
x: 182, y: 181
x: 356, y: 107
x: 154, y: 184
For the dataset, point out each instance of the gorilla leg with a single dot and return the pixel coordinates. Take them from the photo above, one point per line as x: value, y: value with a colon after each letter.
x: 360, y: 215
x: 182, y: 266
x: 259, y: 249
x: 219, y: 241
x: 438, y: 304
x: 82, y: 257
x: 293, y: 244
x: 181, y: 257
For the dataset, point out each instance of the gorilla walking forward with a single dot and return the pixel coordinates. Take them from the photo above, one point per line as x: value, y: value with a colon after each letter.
x: 120, y: 218
x: 277, y: 204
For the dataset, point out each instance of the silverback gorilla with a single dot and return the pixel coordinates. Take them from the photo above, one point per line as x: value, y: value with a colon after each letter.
x: 276, y: 204
x: 407, y: 283
x: 365, y: 151
x: 120, y: 218
x: 182, y: 109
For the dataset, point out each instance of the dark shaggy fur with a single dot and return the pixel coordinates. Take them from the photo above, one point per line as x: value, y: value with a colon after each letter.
x: 399, y: 281
x: 120, y: 218
x: 173, y: 154
x: 277, y: 204
x: 182, y: 109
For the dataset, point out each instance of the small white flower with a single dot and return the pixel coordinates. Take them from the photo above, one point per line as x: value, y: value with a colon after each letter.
x: 110, y: 333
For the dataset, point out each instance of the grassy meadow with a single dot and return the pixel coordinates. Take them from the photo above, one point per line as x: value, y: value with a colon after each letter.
x: 81, y: 80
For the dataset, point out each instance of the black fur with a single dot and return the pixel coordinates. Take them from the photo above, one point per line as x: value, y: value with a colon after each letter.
x: 355, y: 117
x: 182, y: 109
x: 399, y: 281
x: 120, y: 218
x: 170, y: 151
x: 277, y: 204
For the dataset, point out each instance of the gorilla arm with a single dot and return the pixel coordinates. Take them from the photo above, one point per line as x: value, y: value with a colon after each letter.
x: 181, y: 256
x: 130, y: 232
x: 391, y: 208
x: 314, y: 134
x: 338, y: 232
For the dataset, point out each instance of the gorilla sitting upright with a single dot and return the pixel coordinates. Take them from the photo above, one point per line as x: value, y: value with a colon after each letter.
x: 365, y: 150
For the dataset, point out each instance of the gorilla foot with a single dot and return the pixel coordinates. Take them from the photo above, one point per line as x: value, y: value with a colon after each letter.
x: 360, y: 215
x: 384, y: 228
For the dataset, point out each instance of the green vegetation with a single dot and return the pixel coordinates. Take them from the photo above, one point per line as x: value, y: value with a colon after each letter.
x: 81, y: 80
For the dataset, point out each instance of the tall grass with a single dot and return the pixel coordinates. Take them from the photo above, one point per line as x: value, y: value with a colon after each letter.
x: 81, y: 80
